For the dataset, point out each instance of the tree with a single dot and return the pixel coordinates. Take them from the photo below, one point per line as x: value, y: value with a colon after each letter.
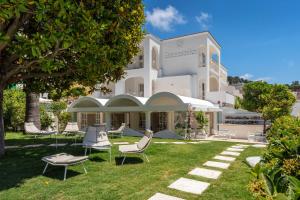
x: 280, y: 101
x: 272, y: 101
x: 54, y: 43
x: 236, y: 80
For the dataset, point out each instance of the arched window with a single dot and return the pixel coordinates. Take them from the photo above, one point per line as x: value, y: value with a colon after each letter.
x: 155, y: 58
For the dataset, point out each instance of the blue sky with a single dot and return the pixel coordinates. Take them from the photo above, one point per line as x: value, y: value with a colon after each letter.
x: 260, y: 39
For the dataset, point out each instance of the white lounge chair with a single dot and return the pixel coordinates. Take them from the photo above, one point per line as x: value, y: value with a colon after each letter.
x: 31, y: 129
x: 65, y: 160
x: 118, y: 132
x: 96, y: 140
x: 72, y: 129
x: 138, y: 148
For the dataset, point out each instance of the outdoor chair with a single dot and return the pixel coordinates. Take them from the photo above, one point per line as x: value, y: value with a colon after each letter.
x: 138, y: 148
x: 65, y: 160
x: 118, y: 132
x: 72, y: 129
x: 96, y: 140
x: 31, y: 129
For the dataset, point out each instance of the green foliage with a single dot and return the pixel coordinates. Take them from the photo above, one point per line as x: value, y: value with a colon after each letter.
x: 201, y: 119
x: 279, y: 102
x: 45, y: 118
x: 63, y: 119
x: 61, y: 42
x: 237, y: 80
x: 273, y: 101
x: 253, y: 96
x: 14, y: 108
x: 237, y: 103
x: 279, y: 173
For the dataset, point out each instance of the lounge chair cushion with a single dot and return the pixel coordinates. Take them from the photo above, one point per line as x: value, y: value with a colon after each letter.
x: 64, y: 159
x: 128, y: 148
x: 143, y: 142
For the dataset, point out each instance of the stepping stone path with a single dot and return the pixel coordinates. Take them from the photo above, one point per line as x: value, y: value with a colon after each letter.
x: 217, y: 164
x: 57, y: 145
x: 253, y: 160
x: 234, y: 149
x: 33, y: 145
x: 189, y: 185
x: 76, y: 144
x: 160, y: 143
x: 12, y: 147
x: 121, y: 142
x: 160, y: 196
x: 206, y: 173
x: 179, y: 143
x: 195, y: 186
x: 224, y: 158
x: 259, y: 145
x: 230, y: 153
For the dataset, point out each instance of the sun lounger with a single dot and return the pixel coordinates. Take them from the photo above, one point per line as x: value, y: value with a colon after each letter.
x: 65, y: 160
x: 138, y: 148
x: 31, y: 129
x: 96, y: 140
x: 118, y: 132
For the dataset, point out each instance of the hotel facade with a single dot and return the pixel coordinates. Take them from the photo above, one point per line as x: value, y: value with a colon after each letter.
x: 166, y: 80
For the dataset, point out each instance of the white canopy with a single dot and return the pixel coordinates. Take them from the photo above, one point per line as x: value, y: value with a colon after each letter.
x: 159, y: 102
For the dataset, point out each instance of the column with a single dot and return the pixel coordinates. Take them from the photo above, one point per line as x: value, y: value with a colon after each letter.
x: 107, y: 120
x: 148, y: 120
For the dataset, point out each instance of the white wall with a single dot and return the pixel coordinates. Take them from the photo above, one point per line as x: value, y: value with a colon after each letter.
x: 176, y: 84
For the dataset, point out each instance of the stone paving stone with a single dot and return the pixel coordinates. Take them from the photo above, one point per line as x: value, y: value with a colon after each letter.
x: 238, y: 147
x: 76, y: 144
x: 206, y: 173
x: 259, y: 145
x: 230, y: 153
x: 121, y: 142
x: 160, y: 196
x: 57, y: 145
x: 224, y: 158
x: 217, y: 164
x: 161, y: 142
x: 33, y: 145
x: 179, y: 143
x: 189, y: 185
x: 12, y: 147
x: 243, y: 145
x: 234, y: 149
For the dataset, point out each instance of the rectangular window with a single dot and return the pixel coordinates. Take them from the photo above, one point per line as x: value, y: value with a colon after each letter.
x: 141, y: 90
x: 142, y: 121
x: 203, y: 90
x: 98, y: 118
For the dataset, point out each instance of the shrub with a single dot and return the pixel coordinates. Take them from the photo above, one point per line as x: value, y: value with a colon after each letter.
x: 14, y: 108
x: 46, y: 120
x: 277, y: 177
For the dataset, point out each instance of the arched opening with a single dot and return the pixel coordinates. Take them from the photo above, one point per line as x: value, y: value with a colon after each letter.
x: 155, y: 64
x: 135, y: 86
x: 213, y: 84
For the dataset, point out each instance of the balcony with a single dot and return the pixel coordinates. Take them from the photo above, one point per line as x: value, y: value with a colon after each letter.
x: 220, y: 97
x: 214, y: 67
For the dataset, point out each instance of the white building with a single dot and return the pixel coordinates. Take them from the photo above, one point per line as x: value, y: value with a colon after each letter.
x: 187, y: 67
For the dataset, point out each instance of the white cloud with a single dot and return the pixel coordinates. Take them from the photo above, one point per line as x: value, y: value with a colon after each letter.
x: 263, y: 79
x: 204, y: 19
x: 164, y: 19
x: 246, y: 76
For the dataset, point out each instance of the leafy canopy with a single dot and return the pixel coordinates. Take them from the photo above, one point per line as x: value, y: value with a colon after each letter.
x: 54, y: 43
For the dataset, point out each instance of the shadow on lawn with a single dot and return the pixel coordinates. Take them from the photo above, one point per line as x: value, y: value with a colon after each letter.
x: 21, y: 164
x: 128, y: 160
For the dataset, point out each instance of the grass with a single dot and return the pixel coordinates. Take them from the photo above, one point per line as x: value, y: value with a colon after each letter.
x: 20, y: 172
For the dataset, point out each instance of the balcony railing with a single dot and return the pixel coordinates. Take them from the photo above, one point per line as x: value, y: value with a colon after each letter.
x: 214, y: 66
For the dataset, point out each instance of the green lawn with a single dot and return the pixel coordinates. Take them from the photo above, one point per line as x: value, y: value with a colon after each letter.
x: 20, y: 172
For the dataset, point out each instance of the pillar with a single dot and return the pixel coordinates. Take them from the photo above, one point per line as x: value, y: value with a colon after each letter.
x: 107, y: 120
x: 148, y: 120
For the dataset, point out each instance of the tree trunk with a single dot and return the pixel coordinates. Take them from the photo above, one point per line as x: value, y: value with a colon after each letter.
x: 264, y: 130
x: 2, y: 132
x: 33, y: 109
